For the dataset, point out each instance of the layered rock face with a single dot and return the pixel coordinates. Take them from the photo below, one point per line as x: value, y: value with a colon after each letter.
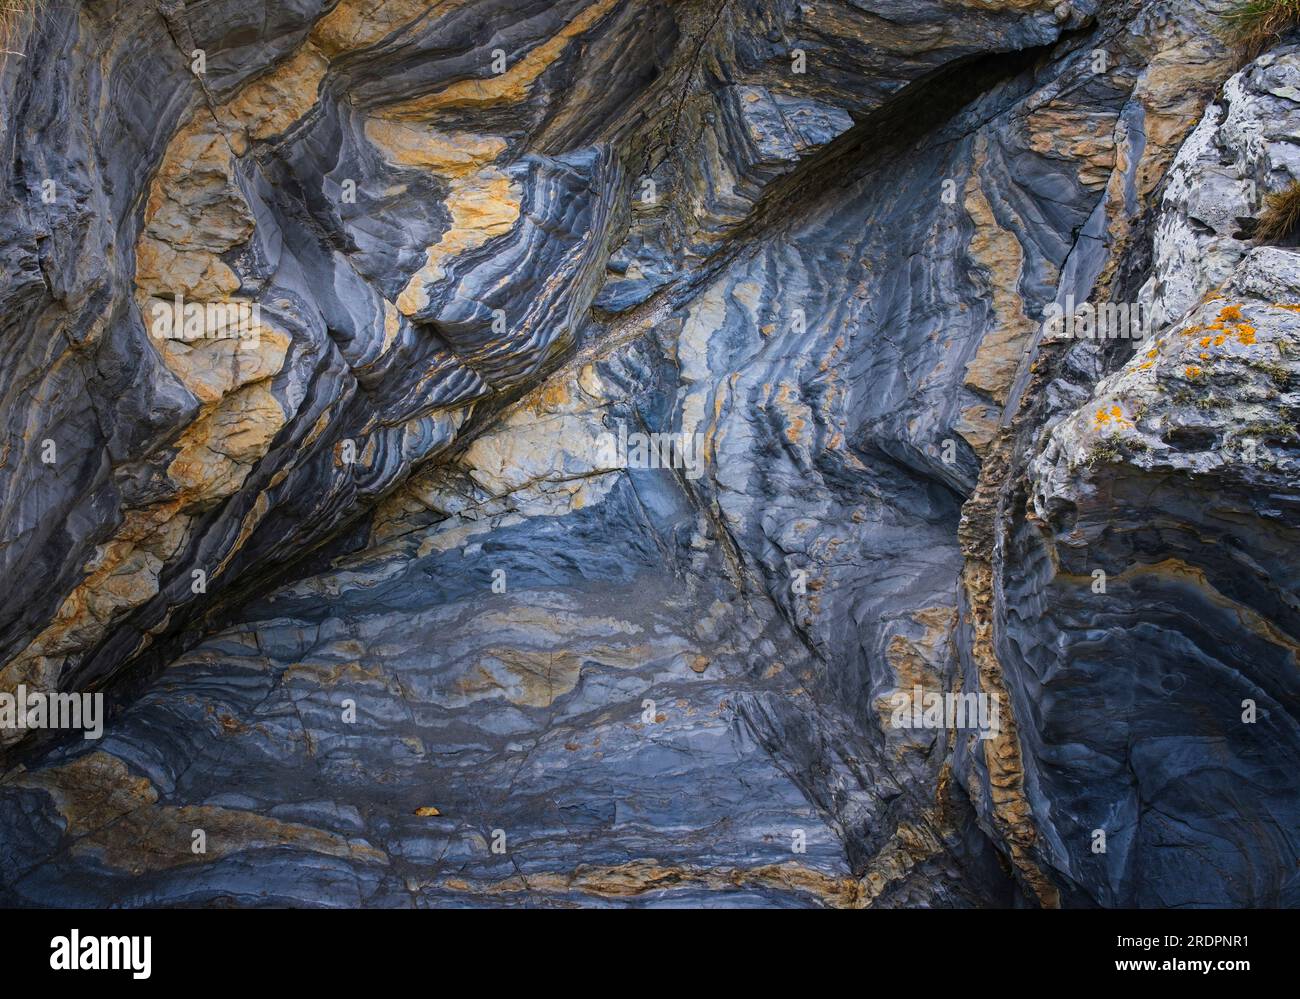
x: 646, y: 418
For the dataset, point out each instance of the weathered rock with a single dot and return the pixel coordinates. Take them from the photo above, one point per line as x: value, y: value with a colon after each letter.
x: 1242, y: 151
x: 466, y: 637
x: 1160, y: 657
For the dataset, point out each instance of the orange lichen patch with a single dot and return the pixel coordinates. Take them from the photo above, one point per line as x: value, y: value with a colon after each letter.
x: 427, y: 811
x: 1227, y: 324
x: 1112, y: 418
x: 1243, y: 331
x: 1286, y: 306
x: 115, y: 816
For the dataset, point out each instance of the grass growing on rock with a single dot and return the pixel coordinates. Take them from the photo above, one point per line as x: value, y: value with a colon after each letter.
x: 1280, y: 373
x: 1113, y: 450
x: 1280, y: 219
x: 12, y: 14
x: 1254, y: 25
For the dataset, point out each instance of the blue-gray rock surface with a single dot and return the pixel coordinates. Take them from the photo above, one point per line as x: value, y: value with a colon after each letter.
x: 383, y: 613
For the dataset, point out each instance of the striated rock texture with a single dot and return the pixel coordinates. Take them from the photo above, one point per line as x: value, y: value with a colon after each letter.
x: 388, y: 606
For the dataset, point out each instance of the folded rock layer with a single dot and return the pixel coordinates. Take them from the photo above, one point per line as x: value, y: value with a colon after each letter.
x: 578, y: 452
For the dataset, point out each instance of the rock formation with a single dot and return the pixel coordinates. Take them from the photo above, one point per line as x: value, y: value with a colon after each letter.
x: 558, y: 452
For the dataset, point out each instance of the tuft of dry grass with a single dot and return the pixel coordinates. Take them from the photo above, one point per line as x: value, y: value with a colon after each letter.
x: 1280, y: 219
x: 1254, y: 25
x: 12, y: 14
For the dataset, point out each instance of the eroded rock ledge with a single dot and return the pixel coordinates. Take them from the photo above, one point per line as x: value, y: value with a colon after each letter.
x: 448, y: 650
